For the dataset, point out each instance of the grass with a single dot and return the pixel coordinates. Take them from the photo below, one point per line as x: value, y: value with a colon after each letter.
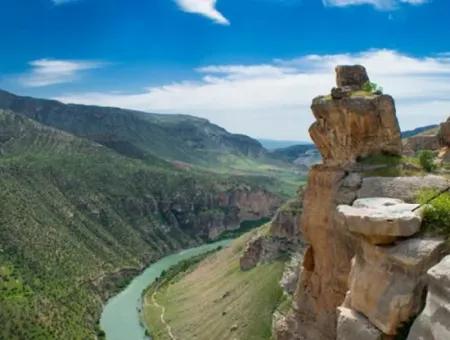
x: 391, y: 166
x: 216, y: 300
x: 436, y: 218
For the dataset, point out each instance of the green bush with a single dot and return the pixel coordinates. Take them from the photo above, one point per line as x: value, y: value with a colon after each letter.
x: 436, y: 213
x: 427, y: 160
x: 372, y: 87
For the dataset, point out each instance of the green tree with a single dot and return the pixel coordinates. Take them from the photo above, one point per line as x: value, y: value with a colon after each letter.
x: 427, y: 160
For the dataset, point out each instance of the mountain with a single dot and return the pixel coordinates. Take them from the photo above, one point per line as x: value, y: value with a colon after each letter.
x: 90, y: 196
x: 273, y: 144
x: 139, y: 134
x: 419, y: 130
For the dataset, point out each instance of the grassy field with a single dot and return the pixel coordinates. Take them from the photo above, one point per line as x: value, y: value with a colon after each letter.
x: 216, y: 300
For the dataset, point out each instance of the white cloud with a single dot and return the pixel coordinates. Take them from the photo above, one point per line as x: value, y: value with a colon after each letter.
x: 206, y: 8
x: 273, y: 100
x: 46, y: 72
x: 379, y: 4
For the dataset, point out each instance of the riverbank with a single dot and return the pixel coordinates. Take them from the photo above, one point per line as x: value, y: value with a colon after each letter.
x: 121, y: 316
x: 214, y: 299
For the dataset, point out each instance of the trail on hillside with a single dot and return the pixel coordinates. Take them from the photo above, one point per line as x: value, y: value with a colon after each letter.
x: 163, y: 310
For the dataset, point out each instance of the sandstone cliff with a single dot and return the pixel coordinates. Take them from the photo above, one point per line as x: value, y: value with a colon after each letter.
x: 363, y: 275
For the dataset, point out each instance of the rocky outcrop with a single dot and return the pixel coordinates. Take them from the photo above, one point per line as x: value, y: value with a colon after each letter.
x: 353, y: 76
x: 355, y: 126
x: 434, y: 321
x: 281, y: 238
x: 421, y: 142
x: 364, y: 257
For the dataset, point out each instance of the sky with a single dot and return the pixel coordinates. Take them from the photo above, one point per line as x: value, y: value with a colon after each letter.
x: 251, y: 66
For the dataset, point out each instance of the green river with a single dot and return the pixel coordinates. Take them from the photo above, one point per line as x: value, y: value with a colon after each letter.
x: 121, y: 316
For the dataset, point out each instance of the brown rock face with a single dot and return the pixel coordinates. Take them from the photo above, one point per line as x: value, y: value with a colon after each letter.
x: 354, y: 127
x: 354, y: 76
x: 345, y: 130
x: 444, y: 133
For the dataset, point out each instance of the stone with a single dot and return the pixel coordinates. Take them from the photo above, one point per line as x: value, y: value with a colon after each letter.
x: 252, y: 254
x: 355, y: 127
x: 404, y: 188
x: 381, y: 220
x: 352, y: 325
x: 444, y: 133
x: 434, y: 321
x: 387, y: 284
x: 354, y: 76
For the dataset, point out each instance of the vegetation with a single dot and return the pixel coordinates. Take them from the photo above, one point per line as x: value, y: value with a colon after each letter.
x: 74, y: 213
x: 436, y: 212
x: 391, y: 166
x: 372, y: 87
x: 427, y: 160
x: 216, y: 300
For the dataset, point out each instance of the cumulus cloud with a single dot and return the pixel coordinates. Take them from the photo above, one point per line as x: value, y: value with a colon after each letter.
x: 273, y: 100
x: 379, y: 4
x: 45, y: 72
x: 206, y: 8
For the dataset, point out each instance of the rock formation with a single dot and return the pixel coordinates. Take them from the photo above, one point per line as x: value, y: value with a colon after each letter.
x: 433, y: 322
x: 376, y: 287
x: 282, y: 237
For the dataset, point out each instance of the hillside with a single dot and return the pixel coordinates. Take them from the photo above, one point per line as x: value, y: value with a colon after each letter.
x: 77, y: 219
x: 216, y: 300
x: 139, y: 134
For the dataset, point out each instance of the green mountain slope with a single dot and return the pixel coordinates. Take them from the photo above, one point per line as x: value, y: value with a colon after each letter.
x: 77, y: 218
x: 138, y: 134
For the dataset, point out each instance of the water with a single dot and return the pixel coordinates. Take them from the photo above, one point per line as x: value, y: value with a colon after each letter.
x: 121, y: 317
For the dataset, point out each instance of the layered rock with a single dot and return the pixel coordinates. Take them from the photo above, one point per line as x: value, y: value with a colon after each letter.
x: 352, y: 325
x: 281, y: 238
x: 387, y: 284
x: 356, y: 125
x: 434, y: 321
x: 381, y: 220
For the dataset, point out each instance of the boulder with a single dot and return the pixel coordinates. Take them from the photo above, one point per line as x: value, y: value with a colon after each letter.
x: 387, y: 283
x: 354, y: 76
x: 352, y: 325
x: 405, y: 188
x: 354, y: 127
x: 381, y: 220
x: 434, y: 321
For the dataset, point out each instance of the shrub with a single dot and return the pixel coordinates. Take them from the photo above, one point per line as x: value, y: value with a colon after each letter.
x: 372, y: 87
x: 427, y: 160
x: 436, y: 216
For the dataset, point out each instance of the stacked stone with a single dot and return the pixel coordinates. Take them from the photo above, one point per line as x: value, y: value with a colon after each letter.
x: 388, y: 276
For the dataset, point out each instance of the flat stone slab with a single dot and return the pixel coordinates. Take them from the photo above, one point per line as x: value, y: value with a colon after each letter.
x: 381, y: 219
x: 352, y: 325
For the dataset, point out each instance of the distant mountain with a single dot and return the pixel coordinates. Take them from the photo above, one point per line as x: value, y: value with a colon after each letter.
x: 272, y: 144
x: 138, y: 134
x: 419, y: 130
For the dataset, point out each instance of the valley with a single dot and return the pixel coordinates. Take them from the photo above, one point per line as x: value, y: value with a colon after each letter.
x: 81, y: 216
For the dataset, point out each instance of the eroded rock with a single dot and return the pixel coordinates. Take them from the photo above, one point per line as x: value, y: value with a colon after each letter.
x: 353, y: 76
x: 355, y: 127
x: 387, y: 283
x: 444, y: 133
x: 381, y: 220
x: 434, y: 321
x: 352, y: 325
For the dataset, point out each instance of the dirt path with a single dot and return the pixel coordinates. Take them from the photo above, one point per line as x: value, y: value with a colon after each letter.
x: 163, y: 310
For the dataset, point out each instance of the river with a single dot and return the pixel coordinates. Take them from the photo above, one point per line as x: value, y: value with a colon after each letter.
x: 121, y: 317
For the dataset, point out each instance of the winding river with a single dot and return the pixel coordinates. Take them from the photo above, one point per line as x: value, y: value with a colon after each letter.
x: 121, y: 317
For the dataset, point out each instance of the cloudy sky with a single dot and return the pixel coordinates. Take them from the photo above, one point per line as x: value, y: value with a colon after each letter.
x: 251, y: 66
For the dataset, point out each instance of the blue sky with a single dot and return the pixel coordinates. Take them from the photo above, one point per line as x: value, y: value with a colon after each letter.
x: 251, y: 66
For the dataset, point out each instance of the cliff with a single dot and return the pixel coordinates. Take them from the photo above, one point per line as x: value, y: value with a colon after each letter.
x: 363, y: 273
